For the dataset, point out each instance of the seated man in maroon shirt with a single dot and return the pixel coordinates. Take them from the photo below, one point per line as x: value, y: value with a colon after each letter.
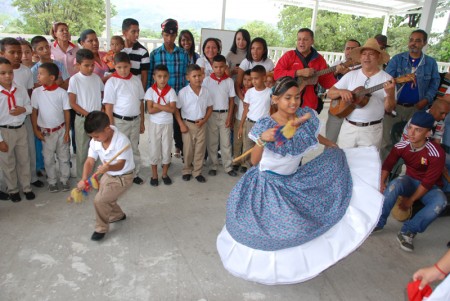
x: 424, y: 162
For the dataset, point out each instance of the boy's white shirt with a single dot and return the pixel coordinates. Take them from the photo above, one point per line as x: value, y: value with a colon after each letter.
x: 161, y: 117
x: 51, y: 106
x: 125, y: 94
x: 259, y: 103
x: 23, y: 77
x: 22, y: 100
x: 88, y: 90
x: 222, y: 92
x: 193, y: 106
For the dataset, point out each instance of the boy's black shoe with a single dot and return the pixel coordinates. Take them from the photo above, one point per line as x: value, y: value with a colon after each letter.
x: 124, y: 217
x: 29, y: 195
x: 200, y: 179
x: 96, y: 236
x: 138, y: 180
x: 235, y: 167
x: 212, y: 172
x: 243, y: 169
x: 232, y: 173
x: 15, y: 197
x: 154, y: 182
x: 186, y: 177
x: 4, y: 196
x: 167, y: 180
x: 38, y: 184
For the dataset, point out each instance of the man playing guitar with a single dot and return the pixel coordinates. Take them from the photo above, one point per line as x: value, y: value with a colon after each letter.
x: 304, y: 62
x: 363, y: 127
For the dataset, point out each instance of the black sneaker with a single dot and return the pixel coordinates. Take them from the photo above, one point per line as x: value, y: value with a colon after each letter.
x: 235, y: 167
x: 212, y: 172
x: 243, y: 169
x: 15, y: 197
x: 4, y: 196
x: 124, y: 217
x: 38, y: 184
x: 30, y: 195
x: 186, y: 177
x: 154, y: 182
x: 406, y: 241
x: 200, y: 179
x: 167, y: 180
x: 232, y: 173
x: 138, y: 180
x: 96, y: 236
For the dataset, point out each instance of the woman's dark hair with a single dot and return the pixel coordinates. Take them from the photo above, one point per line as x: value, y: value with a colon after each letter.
x: 245, y: 35
x: 84, y: 34
x: 206, y: 42
x: 283, y: 84
x: 265, y: 53
x: 191, y: 50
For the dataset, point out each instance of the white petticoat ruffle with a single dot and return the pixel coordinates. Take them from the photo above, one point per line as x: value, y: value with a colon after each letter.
x: 306, y: 261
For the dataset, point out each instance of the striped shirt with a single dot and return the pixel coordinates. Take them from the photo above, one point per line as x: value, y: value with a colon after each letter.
x: 176, y: 62
x: 139, y: 58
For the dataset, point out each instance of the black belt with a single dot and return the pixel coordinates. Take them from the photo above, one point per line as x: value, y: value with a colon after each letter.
x: 126, y: 118
x: 81, y: 115
x: 11, y: 127
x: 406, y: 105
x: 188, y: 120
x: 363, y: 124
x: 220, y: 111
x: 251, y: 120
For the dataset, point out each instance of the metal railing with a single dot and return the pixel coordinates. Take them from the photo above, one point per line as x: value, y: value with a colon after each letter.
x: 274, y: 52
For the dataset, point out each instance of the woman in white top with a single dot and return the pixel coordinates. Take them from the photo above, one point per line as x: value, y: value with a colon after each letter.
x: 238, y: 51
x: 62, y: 48
x: 211, y: 48
x: 258, y: 55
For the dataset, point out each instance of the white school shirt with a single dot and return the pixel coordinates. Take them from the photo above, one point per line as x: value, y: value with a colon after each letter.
x: 125, y: 94
x: 161, y: 117
x: 222, y: 92
x: 267, y: 64
x: 374, y: 110
x: 23, y: 77
x: 193, y: 106
x: 22, y: 100
x: 51, y: 106
x: 259, y: 103
x: 62, y: 70
x: 118, y: 142
x: 88, y: 89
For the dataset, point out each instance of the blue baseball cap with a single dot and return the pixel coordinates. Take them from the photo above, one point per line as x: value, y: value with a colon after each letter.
x: 423, y: 120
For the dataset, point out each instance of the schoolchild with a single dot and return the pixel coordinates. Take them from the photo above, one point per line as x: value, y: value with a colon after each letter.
x: 85, y: 95
x: 51, y: 124
x: 117, y: 177
x: 196, y: 107
x: 161, y: 104
x: 14, y: 157
x: 221, y: 120
x: 124, y: 104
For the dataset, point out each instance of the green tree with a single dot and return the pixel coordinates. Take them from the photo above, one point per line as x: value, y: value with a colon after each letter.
x: 264, y: 30
x: 441, y: 50
x: 38, y: 15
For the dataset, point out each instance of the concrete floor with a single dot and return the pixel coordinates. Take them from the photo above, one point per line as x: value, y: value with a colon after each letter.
x: 165, y: 250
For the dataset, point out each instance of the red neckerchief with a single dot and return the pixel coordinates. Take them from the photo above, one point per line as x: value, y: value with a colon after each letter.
x: 11, y: 98
x: 51, y: 87
x: 118, y: 76
x: 163, y: 93
x: 214, y: 77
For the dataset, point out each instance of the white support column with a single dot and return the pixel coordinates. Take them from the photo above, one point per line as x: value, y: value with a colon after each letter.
x: 385, y: 24
x: 314, y: 16
x: 428, y: 12
x: 224, y: 8
x: 108, y: 23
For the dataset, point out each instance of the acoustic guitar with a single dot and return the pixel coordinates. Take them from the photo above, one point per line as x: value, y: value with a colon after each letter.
x: 361, y: 96
x: 312, y: 80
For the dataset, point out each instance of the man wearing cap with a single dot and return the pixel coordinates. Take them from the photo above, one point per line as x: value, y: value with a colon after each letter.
x: 424, y: 162
x: 363, y: 126
x: 136, y: 51
x: 411, y: 96
x: 176, y: 60
x: 303, y: 62
x: 382, y: 41
x: 334, y: 123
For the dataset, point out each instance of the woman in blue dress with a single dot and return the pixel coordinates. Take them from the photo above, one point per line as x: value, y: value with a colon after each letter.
x: 286, y: 223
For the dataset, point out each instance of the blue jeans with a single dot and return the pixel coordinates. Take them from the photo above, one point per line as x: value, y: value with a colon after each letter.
x: 434, y: 201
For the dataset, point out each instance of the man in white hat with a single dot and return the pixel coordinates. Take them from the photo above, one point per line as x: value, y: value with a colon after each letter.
x: 363, y: 126
x: 415, y: 95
